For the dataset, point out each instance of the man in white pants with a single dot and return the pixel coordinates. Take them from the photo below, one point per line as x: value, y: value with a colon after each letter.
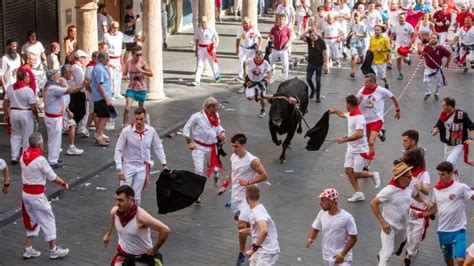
x: 258, y: 75
x: 282, y: 37
x: 20, y: 112
x: 114, y: 39
x: 395, y: 198
x: 37, y: 212
x: 265, y: 248
x: 237, y: 8
x: 207, y: 40
x: 433, y: 55
x: 54, y: 108
x: 246, y: 170
x: 202, y: 132
x: 332, y: 35
x: 338, y: 229
x: 133, y: 153
x: 248, y: 42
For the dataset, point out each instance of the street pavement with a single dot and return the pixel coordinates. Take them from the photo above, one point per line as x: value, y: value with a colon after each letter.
x: 206, y: 234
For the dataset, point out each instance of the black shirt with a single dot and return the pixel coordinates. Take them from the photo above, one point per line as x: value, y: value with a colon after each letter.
x: 315, y: 51
x: 130, y: 31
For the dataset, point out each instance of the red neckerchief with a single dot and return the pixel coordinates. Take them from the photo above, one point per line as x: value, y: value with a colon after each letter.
x: 91, y: 63
x: 127, y: 217
x: 396, y: 184
x: 19, y: 84
x: 367, y: 91
x: 445, y: 116
x: 258, y: 64
x: 393, y: 9
x: 141, y: 133
x: 416, y: 171
x: 246, y: 29
x: 466, y: 28
x: 327, y: 8
x: 72, y: 62
x: 355, y: 112
x: 31, y: 154
x: 440, y: 185
x: 213, y: 119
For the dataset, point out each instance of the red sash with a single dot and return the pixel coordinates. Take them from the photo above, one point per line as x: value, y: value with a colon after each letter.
x: 427, y: 221
x: 214, y: 161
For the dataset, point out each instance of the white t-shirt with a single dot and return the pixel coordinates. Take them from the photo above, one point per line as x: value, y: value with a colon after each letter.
x: 257, y: 73
x: 88, y: 73
x: 270, y: 245
x: 241, y: 170
x: 396, y: 205
x: 21, y: 98
x: 354, y: 123
x: 373, y: 18
x: 288, y: 11
x: 37, y: 49
x: 9, y: 67
x: 470, y: 250
x: 37, y: 172
x: 335, y: 232
x: 3, y: 165
x: 248, y: 38
x: 402, y: 33
x: 206, y: 36
x: 422, y: 178
x: 466, y: 37
x: 451, y: 207
x: 78, y: 75
x: 373, y: 105
x: 393, y: 17
x: 115, y: 43
x: 300, y: 7
x: 332, y: 30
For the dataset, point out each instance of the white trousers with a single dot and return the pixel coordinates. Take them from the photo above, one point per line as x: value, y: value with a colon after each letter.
x: 452, y: 154
x: 414, y: 233
x: 244, y: 54
x: 333, y: 263
x: 332, y: 49
x: 284, y: 57
x: 203, y: 55
x: 237, y: 6
x: 260, y: 259
x: 116, y: 76
x: 39, y: 213
x: 201, y: 157
x: 135, y: 177
x: 427, y: 80
x: 54, y: 128
x: 81, y: 127
x: 299, y: 23
x: 390, y: 244
x: 442, y: 37
x: 23, y: 124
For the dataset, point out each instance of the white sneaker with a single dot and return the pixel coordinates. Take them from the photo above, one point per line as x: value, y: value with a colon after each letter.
x: 85, y: 133
x: 358, y: 196
x: 376, y: 179
x: 58, y: 252
x: 31, y: 253
x: 241, y: 90
x: 119, y: 96
x: 74, y: 151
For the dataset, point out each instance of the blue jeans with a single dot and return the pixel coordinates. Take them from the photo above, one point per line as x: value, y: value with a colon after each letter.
x: 268, y: 5
x: 310, y: 70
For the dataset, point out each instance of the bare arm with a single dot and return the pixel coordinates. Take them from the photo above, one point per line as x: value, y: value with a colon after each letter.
x: 339, y: 113
x: 349, y: 245
x: 6, y: 180
x: 6, y: 110
x: 312, y: 235
x: 111, y: 226
x: 262, y: 174
x: 154, y: 224
x: 237, y: 46
x: 397, y: 107
x: 374, y: 205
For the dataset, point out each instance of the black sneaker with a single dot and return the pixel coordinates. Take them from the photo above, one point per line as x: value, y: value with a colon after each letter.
x: 427, y: 96
x: 352, y: 75
x: 318, y: 99
x: 14, y: 162
x: 165, y: 45
x: 366, y: 168
x: 311, y: 95
x: 382, y: 136
x: 407, y: 261
x: 436, y: 98
x: 400, y: 249
x: 386, y: 86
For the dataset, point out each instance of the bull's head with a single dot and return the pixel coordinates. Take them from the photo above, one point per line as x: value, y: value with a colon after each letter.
x: 280, y: 107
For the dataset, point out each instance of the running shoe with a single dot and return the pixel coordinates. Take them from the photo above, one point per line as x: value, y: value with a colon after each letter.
x: 427, y: 96
x: 57, y: 165
x: 381, y: 135
x: 58, y: 252
x: 240, y: 259
x: 262, y: 114
x: 352, y: 75
x: 358, y: 196
x: 228, y: 203
x: 436, y: 97
x: 318, y: 99
x: 409, y: 62
x: 376, y: 180
x: 239, y: 80
x: 73, y: 150
x: 217, y: 79
x: 195, y: 83
x: 31, y: 253
x: 400, y: 76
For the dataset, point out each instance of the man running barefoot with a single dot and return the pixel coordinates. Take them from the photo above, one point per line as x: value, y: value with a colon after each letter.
x: 357, y: 147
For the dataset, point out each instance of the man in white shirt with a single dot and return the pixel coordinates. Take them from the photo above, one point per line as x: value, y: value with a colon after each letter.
x: 287, y: 9
x: 265, y: 248
x: 11, y: 61
x: 372, y: 104
x: 114, y: 39
x: 80, y: 99
x: 258, y: 73
x: 357, y: 147
x: 332, y: 35
x: 246, y: 170
x: 20, y: 112
x: 338, y: 229
x: 403, y: 35
x: 37, y: 212
x: 373, y: 18
x: 133, y: 153
x: 448, y: 201
x: 465, y: 37
x: 88, y: 90
x: 248, y: 42
x: 207, y: 40
x: 203, y: 131
x: 395, y: 198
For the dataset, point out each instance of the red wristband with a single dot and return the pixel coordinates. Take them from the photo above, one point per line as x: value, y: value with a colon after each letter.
x: 397, y: 110
x: 420, y: 215
x: 225, y: 184
x: 255, y: 247
x: 64, y: 184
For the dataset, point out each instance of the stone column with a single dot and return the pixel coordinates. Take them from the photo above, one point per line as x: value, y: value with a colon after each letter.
x: 249, y: 9
x: 208, y: 8
x: 152, y: 47
x: 86, y: 19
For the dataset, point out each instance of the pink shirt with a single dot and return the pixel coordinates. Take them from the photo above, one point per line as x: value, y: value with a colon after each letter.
x: 137, y: 79
x: 280, y: 36
x: 435, y: 54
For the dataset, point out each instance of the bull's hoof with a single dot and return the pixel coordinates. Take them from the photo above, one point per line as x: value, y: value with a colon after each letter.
x: 282, y: 161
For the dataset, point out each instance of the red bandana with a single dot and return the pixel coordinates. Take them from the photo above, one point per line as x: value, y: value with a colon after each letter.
x: 247, y: 28
x: 466, y: 28
x: 440, y: 185
x: 72, y: 62
x: 213, y: 119
x: 416, y: 171
x: 445, y: 116
x: 368, y: 90
x: 395, y: 184
x: 258, y: 64
x: 327, y: 8
x: 19, y: 84
x: 393, y: 9
x: 355, y: 112
x: 31, y: 154
x: 127, y: 217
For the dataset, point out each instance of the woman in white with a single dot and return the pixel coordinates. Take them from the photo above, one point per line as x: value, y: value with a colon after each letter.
x: 35, y: 47
x: 302, y: 15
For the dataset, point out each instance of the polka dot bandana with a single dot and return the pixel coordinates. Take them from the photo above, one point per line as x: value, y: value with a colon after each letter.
x: 331, y: 194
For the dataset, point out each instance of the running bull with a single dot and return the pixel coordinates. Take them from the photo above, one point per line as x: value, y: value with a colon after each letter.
x: 288, y: 106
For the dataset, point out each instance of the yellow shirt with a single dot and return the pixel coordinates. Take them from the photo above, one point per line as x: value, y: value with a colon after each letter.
x: 382, y: 44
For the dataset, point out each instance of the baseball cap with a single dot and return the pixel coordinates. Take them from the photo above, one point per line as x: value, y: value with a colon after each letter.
x: 330, y: 193
x: 80, y: 53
